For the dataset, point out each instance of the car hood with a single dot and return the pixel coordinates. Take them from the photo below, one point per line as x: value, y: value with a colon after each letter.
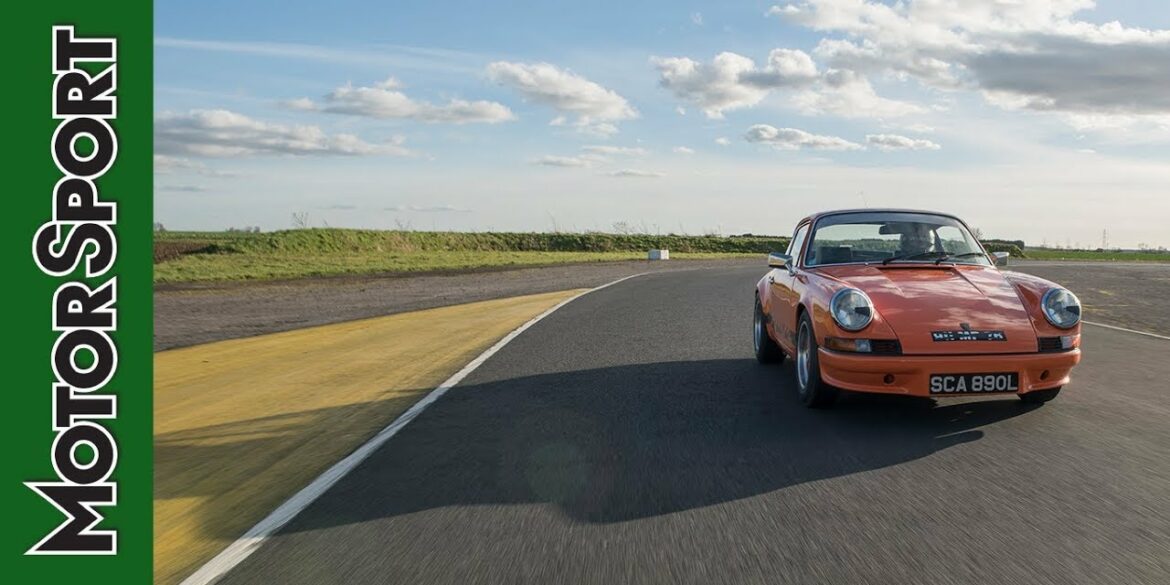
x: 918, y: 300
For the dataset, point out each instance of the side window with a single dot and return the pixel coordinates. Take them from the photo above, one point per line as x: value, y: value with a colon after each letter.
x: 797, y: 243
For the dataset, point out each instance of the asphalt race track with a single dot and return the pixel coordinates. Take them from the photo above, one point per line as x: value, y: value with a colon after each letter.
x: 631, y: 438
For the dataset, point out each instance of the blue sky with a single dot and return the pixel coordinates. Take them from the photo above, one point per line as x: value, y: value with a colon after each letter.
x: 1046, y: 121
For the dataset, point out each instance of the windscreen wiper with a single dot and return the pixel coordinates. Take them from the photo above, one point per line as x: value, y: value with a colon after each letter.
x: 914, y: 256
x: 946, y: 257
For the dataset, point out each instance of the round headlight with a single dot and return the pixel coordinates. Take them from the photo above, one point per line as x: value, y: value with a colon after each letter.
x: 1061, y: 307
x: 851, y: 309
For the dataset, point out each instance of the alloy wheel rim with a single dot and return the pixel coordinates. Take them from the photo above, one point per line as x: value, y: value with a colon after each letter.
x: 758, y: 330
x: 802, y: 356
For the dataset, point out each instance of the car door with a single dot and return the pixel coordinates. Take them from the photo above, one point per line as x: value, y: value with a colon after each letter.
x: 785, y: 286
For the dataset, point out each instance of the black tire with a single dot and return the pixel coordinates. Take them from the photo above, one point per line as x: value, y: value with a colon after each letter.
x: 767, y: 352
x: 1040, y: 396
x: 810, y: 388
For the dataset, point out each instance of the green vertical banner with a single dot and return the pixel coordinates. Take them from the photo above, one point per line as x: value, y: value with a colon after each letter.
x: 77, y: 265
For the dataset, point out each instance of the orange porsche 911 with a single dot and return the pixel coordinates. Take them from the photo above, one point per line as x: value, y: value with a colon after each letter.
x: 909, y: 302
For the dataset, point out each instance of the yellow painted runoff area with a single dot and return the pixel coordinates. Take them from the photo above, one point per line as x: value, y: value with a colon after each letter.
x: 241, y: 425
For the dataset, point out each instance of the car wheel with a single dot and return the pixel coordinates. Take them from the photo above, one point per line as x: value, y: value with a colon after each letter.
x: 1039, y: 396
x: 813, y: 391
x: 767, y: 352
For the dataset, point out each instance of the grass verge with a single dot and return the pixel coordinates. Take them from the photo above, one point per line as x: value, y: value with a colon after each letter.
x: 1104, y: 256
x: 206, y: 256
x: 229, y: 267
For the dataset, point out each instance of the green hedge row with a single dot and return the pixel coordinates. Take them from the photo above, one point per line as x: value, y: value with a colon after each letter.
x: 344, y: 240
x: 331, y: 241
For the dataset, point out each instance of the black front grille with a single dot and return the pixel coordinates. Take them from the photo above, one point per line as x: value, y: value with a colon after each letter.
x: 1049, y: 344
x: 885, y: 346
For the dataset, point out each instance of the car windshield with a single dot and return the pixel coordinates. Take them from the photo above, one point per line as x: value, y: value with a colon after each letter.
x: 890, y: 237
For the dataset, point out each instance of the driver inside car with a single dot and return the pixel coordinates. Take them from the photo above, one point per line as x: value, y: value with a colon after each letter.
x: 915, y: 239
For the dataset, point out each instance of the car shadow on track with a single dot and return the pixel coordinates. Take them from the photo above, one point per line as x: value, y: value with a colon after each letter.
x: 629, y: 442
x: 606, y: 445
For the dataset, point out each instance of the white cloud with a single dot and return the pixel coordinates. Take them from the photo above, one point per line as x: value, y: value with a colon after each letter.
x: 384, y: 100
x: 165, y: 165
x: 1033, y: 55
x: 595, y: 107
x: 896, y: 142
x: 1121, y: 128
x: 731, y: 81
x: 221, y: 133
x: 785, y: 68
x: 846, y: 94
x: 587, y: 127
x: 682, y: 150
x: 635, y: 173
x: 614, y: 150
x: 301, y: 103
x: 723, y: 141
x: 591, y: 154
x: 697, y: 18
x: 794, y: 139
x: 550, y: 160
x: 867, y: 57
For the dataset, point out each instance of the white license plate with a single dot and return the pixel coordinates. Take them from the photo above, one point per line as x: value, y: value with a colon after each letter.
x: 974, y: 383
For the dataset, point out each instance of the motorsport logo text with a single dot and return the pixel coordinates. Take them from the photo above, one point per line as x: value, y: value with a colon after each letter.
x: 78, y: 246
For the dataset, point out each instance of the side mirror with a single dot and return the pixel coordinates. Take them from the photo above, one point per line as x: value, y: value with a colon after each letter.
x: 1001, y: 258
x: 778, y: 260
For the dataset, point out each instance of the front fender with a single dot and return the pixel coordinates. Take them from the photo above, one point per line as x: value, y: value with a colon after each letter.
x: 1031, y: 291
x: 816, y: 297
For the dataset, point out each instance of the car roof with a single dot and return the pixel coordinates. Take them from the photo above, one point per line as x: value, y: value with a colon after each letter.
x: 821, y: 214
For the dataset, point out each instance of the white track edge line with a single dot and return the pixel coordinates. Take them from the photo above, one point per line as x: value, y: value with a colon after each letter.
x: 244, y: 546
x: 1146, y: 333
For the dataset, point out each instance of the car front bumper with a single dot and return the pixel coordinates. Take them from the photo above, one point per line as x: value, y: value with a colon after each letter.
x: 910, y: 375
